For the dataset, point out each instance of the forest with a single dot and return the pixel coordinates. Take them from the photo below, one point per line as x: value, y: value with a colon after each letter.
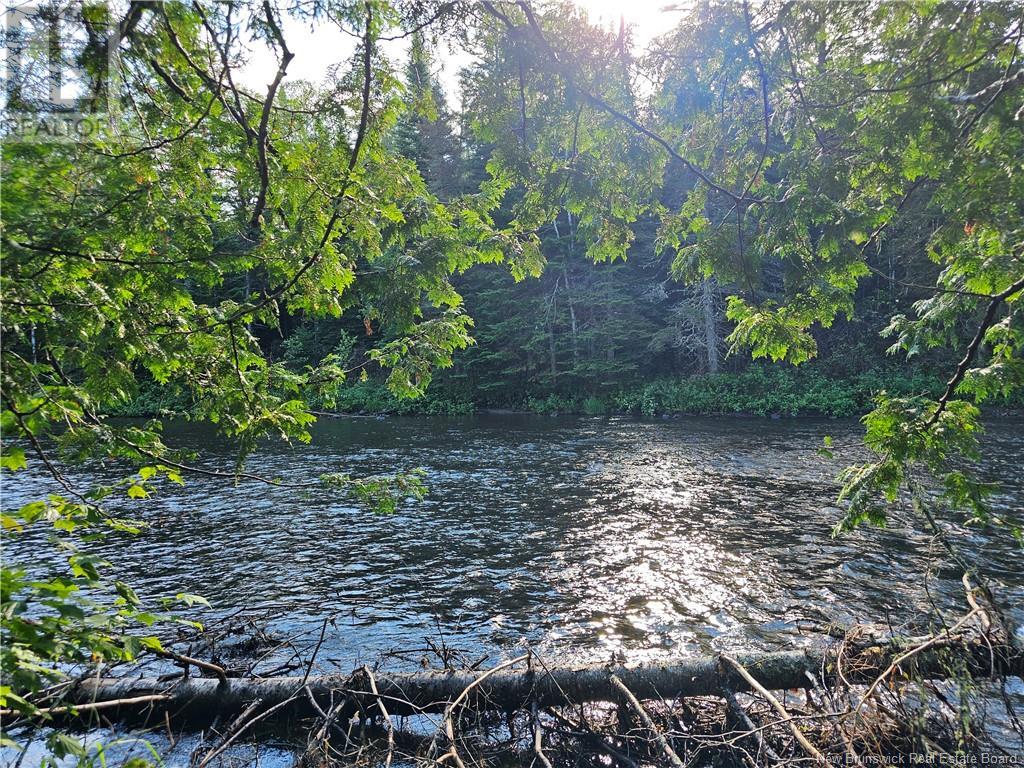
x: 448, y: 332
x: 623, y: 332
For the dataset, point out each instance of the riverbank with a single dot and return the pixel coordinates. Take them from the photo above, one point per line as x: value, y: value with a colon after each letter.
x: 761, y: 390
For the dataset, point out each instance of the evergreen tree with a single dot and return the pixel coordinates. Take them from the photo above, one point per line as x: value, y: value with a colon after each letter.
x: 425, y: 132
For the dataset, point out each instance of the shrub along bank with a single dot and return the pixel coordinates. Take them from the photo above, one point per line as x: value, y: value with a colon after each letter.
x: 761, y: 390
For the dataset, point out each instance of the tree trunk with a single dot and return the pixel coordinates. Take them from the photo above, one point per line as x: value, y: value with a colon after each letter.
x: 568, y: 292
x: 199, y: 699
x: 711, y: 341
x: 552, y: 318
x: 572, y: 318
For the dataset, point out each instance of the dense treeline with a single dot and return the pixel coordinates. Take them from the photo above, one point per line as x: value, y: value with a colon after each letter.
x: 622, y: 334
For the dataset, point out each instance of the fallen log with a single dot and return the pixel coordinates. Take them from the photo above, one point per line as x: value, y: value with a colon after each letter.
x: 198, y: 699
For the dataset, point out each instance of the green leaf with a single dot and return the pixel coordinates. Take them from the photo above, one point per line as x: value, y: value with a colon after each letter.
x: 63, y: 745
x: 137, y: 492
x: 127, y: 593
x: 190, y: 600
x: 12, y: 458
x: 9, y: 523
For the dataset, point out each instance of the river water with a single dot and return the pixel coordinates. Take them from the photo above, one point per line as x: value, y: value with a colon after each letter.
x: 583, y: 537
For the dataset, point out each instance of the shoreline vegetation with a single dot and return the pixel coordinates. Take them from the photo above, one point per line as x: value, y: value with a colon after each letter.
x: 762, y: 390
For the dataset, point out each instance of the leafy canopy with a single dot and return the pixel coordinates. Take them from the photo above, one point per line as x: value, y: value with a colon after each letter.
x: 171, y: 246
x: 808, y: 138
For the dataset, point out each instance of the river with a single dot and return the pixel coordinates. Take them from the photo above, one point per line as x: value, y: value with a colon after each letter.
x: 583, y: 537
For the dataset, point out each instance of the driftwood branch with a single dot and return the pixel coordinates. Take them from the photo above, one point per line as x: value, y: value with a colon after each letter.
x: 219, y: 671
x: 245, y: 725
x: 894, y: 666
x: 777, y: 706
x: 383, y: 712
x: 450, y: 710
x: 737, y: 711
x: 647, y: 721
x: 512, y: 686
x: 70, y: 709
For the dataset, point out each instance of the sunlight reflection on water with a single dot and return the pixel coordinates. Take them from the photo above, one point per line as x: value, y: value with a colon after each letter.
x: 584, y: 537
